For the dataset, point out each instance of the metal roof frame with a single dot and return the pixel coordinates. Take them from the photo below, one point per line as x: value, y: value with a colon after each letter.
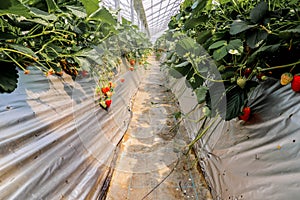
x: 151, y: 16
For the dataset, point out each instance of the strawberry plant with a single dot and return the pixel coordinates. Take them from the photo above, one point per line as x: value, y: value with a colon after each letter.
x: 224, y: 49
x: 103, y: 93
x: 247, y: 41
x: 76, y: 37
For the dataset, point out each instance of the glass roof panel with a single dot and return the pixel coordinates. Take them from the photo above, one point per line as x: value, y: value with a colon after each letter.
x: 156, y: 12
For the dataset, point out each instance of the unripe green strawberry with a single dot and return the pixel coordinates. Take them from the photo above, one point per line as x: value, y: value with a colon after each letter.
x: 206, y: 111
x: 241, y: 82
x: 296, y: 83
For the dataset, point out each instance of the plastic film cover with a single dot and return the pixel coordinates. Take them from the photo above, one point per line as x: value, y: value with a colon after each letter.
x: 253, y: 160
x: 56, y: 142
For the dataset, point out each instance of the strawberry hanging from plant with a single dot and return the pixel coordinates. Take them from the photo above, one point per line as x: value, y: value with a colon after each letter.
x: 108, y: 102
x: 286, y: 78
x: 105, y: 93
x: 296, y: 83
x: 132, y: 62
x: 246, y: 114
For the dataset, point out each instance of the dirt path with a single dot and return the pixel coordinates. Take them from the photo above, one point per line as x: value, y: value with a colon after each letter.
x: 150, y: 163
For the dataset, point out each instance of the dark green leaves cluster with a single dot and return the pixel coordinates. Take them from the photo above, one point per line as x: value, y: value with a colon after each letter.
x: 237, y: 35
x: 61, y: 35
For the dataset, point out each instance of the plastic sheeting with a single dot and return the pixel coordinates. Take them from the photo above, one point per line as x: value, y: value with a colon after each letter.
x: 55, y: 141
x: 255, y: 160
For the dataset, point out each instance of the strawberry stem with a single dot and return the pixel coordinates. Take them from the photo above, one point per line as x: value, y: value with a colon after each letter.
x: 281, y: 66
x: 200, y: 134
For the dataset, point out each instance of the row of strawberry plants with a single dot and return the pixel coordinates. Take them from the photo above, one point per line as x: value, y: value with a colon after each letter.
x: 76, y: 37
x: 247, y: 41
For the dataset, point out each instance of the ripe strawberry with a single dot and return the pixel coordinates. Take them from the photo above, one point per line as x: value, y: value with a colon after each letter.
x: 296, y: 83
x: 132, y: 62
x: 259, y: 76
x: 247, y: 72
x: 122, y: 80
x: 246, y: 114
x: 107, y: 102
x: 105, y: 90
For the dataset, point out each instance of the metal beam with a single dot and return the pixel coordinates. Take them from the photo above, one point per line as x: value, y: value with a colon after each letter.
x: 138, y: 6
x: 170, y: 11
x: 132, y: 10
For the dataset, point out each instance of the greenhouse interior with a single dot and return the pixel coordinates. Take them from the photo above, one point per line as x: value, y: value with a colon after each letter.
x: 150, y: 99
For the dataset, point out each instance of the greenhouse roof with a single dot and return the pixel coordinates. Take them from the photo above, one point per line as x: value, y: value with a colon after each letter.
x: 152, y: 16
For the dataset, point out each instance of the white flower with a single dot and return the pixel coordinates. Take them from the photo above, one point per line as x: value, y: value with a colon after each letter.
x: 234, y: 52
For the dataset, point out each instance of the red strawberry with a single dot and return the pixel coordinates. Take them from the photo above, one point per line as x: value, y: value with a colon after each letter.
x: 246, y: 114
x: 122, y: 80
x: 132, y: 62
x: 247, y: 72
x: 296, y: 83
x: 105, y: 90
x: 108, y: 102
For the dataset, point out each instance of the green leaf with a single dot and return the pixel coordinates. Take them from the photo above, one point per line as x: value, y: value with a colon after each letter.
x: 91, y: 54
x: 287, y: 34
x: 184, y: 70
x: 42, y: 14
x: 7, y: 36
x: 235, y: 100
x: 262, y: 49
x: 177, y: 115
x: 220, y: 53
x: 239, y: 26
x: 103, y: 15
x: 258, y: 13
x: 52, y: 6
x: 203, y: 36
x: 23, y: 49
x: 90, y: 6
x: 13, y: 7
x: 125, y: 21
x: 8, y: 77
x: 294, y: 30
x: 256, y: 38
x: 77, y: 11
x: 187, y: 45
x: 198, y: 6
x: 193, y: 22
x: 39, y: 21
x: 236, y: 44
x: 201, y: 94
x: 218, y: 44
